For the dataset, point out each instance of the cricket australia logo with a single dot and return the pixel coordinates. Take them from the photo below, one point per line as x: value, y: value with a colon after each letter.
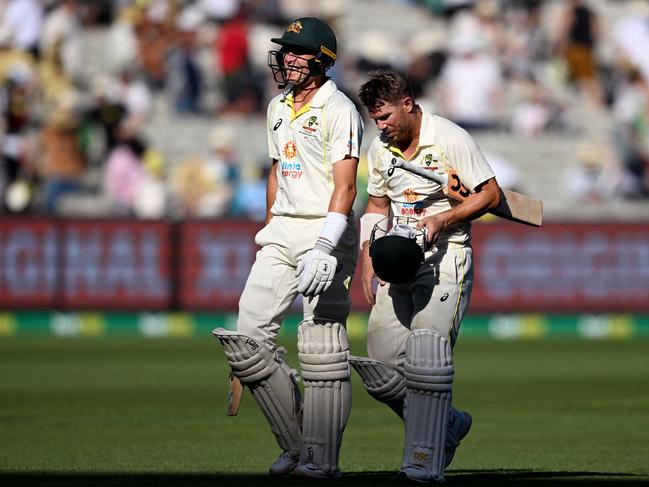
x: 310, y: 126
x: 295, y: 27
x: 428, y: 159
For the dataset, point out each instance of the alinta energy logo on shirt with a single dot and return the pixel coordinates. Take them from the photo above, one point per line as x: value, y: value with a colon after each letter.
x: 411, y: 207
x: 410, y: 195
x: 292, y: 170
x: 290, y: 150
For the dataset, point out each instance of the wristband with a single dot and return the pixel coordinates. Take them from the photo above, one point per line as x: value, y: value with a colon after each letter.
x: 332, y: 231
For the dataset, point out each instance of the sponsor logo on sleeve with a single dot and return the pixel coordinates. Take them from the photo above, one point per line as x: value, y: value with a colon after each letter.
x: 351, y: 145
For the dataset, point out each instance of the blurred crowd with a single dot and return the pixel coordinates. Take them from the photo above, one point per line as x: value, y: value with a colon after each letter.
x: 75, y: 132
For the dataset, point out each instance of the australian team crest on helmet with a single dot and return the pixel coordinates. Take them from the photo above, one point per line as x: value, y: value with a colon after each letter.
x: 295, y: 27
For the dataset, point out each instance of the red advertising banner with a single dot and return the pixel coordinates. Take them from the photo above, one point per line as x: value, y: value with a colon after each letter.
x: 116, y: 265
x: 85, y: 264
x: 200, y: 265
x: 29, y: 267
x: 215, y: 259
x: 561, y: 267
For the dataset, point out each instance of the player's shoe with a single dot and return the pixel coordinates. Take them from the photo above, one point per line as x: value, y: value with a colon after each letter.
x: 416, y: 473
x: 459, y: 426
x: 284, y: 465
x: 313, y: 471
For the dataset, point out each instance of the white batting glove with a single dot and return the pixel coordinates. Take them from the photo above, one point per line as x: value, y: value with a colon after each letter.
x: 315, y: 272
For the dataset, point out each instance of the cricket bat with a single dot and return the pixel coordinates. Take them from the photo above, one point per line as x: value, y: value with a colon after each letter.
x: 513, y: 206
x: 235, y: 392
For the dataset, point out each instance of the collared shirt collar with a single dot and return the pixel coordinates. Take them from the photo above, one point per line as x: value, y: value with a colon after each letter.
x: 426, y: 134
x: 318, y: 100
x: 323, y: 94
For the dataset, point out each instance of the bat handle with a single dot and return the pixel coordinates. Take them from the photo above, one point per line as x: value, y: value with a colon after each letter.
x: 441, y: 179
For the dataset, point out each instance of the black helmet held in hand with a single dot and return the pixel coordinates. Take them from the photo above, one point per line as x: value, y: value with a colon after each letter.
x: 396, y: 258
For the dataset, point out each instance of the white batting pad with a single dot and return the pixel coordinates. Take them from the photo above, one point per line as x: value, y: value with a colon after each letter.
x: 429, y: 379
x: 323, y: 351
x: 383, y: 383
x: 272, y: 384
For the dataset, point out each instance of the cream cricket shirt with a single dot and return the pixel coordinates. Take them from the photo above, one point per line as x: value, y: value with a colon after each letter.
x: 441, y: 144
x: 307, y: 144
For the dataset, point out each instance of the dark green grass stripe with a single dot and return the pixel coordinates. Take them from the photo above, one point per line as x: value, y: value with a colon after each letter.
x: 368, y: 479
x: 99, y: 411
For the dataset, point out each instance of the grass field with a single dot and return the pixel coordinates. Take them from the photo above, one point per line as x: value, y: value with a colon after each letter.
x: 152, y: 412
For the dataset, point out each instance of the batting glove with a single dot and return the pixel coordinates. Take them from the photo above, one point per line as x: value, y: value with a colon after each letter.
x: 315, y: 272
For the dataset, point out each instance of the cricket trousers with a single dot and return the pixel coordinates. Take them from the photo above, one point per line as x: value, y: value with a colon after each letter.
x: 271, y: 288
x: 436, y: 299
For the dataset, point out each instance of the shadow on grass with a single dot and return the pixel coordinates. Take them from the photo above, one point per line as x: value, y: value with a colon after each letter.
x: 373, y: 479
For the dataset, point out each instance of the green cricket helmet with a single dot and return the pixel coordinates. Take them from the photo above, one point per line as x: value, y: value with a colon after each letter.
x: 307, y: 35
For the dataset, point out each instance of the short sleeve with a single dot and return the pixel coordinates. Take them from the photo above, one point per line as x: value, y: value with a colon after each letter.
x: 273, y: 151
x: 376, y: 183
x: 466, y: 157
x: 345, y: 133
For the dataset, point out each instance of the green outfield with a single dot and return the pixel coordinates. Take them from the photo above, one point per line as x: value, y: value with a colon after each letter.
x: 138, y: 411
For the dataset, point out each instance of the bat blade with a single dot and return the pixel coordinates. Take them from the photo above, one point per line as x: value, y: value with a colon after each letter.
x: 235, y: 392
x: 519, y: 208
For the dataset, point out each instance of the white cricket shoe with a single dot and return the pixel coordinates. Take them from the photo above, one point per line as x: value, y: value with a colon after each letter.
x: 458, y: 427
x: 284, y: 465
x: 313, y: 471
